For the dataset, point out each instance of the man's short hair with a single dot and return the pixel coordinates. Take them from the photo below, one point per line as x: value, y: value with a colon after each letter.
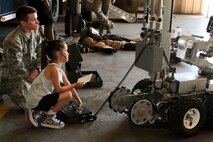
x: 23, y: 11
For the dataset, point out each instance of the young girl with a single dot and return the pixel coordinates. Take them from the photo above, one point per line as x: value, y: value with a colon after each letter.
x: 46, y: 93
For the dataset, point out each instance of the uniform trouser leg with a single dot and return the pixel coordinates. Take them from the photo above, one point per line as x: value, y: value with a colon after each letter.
x: 72, y: 18
x: 105, y: 7
x: 103, y: 21
x: 68, y: 24
x: 2, y: 92
x: 68, y: 19
x: 98, y: 5
x: 102, y: 6
x: 17, y: 89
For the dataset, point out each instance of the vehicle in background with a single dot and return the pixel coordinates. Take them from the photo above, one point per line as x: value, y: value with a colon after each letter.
x: 8, y: 9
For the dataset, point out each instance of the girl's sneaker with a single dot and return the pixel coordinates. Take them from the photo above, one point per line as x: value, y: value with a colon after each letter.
x: 50, y: 121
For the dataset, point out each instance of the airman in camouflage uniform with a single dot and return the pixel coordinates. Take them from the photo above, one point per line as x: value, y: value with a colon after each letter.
x: 21, y: 56
x: 101, y: 9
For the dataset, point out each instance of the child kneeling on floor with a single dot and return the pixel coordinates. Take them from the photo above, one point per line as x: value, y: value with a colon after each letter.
x: 47, y: 95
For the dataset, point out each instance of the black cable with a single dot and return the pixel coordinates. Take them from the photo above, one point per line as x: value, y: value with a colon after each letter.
x: 170, y: 25
x: 155, y: 82
x: 111, y: 93
x: 167, y: 60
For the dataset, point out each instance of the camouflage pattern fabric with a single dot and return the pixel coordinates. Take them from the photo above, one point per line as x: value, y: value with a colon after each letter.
x: 21, y: 55
x: 17, y: 89
x: 101, y: 9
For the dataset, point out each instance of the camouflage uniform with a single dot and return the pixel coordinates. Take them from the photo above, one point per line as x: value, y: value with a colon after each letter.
x: 101, y: 9
x: 21, y: 55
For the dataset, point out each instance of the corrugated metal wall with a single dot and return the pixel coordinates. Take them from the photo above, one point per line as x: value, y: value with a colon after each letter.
x: 180, y: 6
x: 188, y: 6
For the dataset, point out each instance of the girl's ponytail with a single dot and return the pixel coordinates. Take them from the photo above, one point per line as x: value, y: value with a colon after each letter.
x: 44, y: 60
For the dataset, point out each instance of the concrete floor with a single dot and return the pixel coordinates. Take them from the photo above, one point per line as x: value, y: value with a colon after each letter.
x: 109, y: 126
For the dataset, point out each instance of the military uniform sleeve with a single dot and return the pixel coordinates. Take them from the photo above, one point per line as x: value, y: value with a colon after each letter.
x: 14, y: 58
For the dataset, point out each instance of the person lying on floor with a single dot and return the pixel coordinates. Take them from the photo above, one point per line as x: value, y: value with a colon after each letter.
x: 109, y: 43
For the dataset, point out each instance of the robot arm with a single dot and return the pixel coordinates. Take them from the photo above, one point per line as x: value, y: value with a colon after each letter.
x: 198, y: 53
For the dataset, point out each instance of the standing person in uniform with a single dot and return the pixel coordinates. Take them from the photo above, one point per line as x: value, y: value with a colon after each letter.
x: 45, y: 16
x: 21, y: 56
x: 47, y: 92
x: 101, y: 9
x: 73, y: 17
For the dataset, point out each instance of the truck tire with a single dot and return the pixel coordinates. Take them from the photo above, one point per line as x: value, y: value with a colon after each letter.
x: 142, y: 86
x: 209, y: 110
x: 54, y: 9
x: 186, y: 116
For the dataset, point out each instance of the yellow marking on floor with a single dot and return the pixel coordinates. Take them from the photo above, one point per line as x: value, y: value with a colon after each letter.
x: 5, y: 107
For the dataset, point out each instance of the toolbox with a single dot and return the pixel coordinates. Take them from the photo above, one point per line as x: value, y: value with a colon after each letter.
x: 73, y: 68
x: 96, y: 80
x: 71, y: 114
